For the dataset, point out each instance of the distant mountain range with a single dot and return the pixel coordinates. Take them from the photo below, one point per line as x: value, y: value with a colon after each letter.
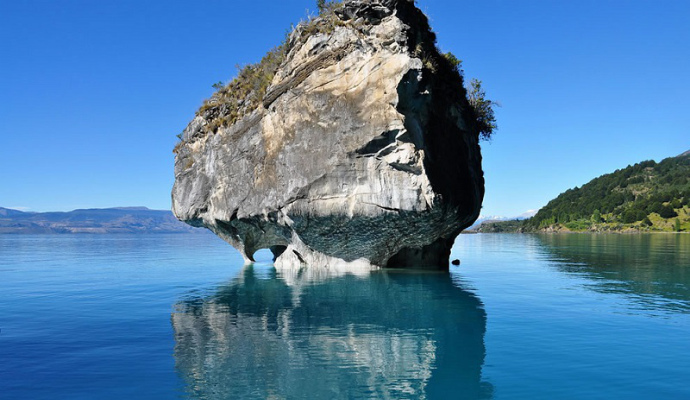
x: 95, y: 220
x: 487, y: 219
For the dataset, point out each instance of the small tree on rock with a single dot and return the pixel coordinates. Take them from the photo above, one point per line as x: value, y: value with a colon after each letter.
x: 483, y: 109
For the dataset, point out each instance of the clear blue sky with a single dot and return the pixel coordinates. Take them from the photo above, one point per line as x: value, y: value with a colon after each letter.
x: 92, y: 93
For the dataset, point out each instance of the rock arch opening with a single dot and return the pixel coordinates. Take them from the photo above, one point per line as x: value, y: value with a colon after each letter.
x: 269, y: 254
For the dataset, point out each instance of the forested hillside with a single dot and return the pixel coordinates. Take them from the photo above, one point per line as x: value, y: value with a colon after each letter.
x: 647, y: 196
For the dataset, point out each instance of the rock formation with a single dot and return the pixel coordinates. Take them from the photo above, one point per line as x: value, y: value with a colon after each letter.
x: 362, y: 149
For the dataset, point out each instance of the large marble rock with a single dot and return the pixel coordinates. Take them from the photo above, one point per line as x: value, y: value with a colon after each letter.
x: 363, y: 152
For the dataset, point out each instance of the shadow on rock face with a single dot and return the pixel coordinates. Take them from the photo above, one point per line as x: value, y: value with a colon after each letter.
x: 385, y: 335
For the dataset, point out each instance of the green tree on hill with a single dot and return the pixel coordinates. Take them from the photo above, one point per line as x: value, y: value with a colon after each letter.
x: 667, y: 212
x: 596, y: 216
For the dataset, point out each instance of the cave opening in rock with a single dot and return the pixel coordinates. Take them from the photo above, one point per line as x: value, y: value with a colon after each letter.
x: 268, y: 255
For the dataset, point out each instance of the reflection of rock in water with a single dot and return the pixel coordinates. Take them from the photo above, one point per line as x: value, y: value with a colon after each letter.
x: 650, y: 267
x: 385, y: 336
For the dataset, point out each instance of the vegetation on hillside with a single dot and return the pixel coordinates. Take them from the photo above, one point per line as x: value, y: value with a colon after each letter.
x: 647, y: 196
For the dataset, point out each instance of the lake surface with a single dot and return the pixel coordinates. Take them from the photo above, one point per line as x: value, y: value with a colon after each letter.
x: 179, y: 316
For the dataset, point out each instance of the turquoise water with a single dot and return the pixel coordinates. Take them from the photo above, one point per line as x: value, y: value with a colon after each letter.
x: 179, y: 316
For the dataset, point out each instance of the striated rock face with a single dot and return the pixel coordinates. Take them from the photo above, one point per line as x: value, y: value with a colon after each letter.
x: 363, y: 149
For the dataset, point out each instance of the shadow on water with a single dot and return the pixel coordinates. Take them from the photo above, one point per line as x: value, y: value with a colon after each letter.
x: 654, y: 269
x: 385, y: 335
